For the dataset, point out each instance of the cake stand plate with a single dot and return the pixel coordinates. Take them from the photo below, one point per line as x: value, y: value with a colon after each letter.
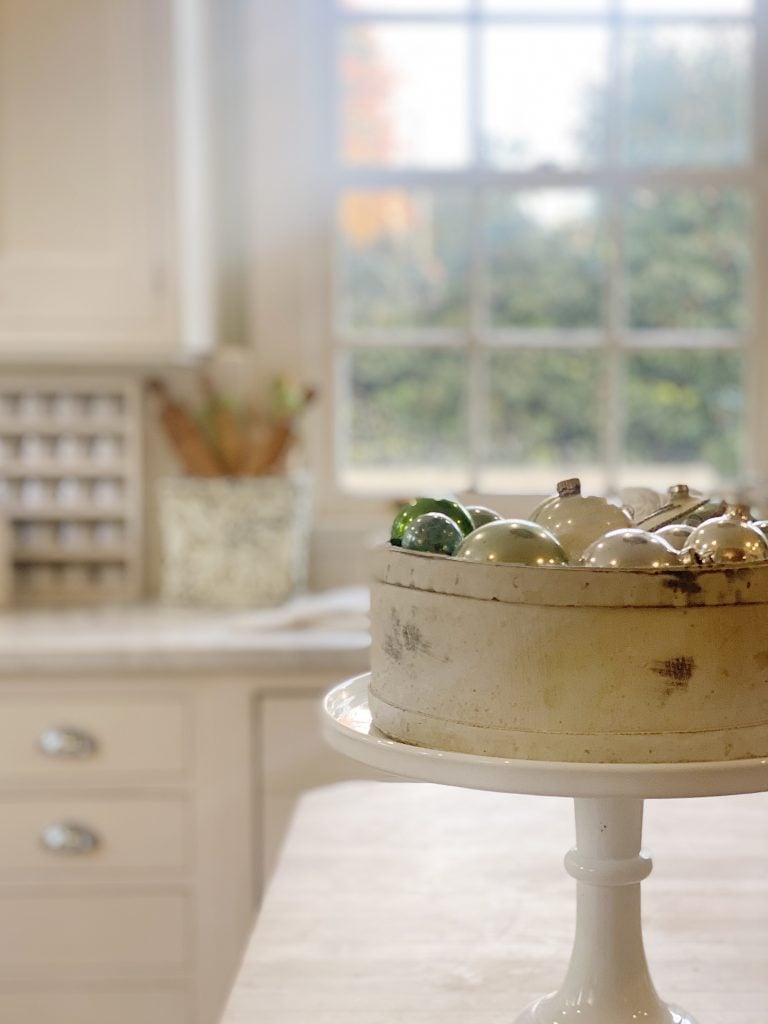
x: 607, y: 981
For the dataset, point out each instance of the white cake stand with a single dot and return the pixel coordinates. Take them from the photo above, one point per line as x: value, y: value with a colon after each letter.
x: 607, y: 981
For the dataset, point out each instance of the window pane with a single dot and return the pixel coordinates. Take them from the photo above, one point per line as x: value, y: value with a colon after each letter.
x: 403, y: 259
x: 684, y: 411
x: 404, y: 95
x: 546, y: 6
x: 544, y: 257
x: 544, y: 96
x: 404, y: 6
x: 678, y: 7
x: 688, y: 255
x: 543, y: 413
x: 687, y: 95
x: 405, y: 413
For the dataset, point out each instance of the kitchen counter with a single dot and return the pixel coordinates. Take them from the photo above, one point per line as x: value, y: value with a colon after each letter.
x: 428, y: 904
x: 309, y: 633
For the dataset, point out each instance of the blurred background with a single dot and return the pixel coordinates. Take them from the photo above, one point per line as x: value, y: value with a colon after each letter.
x: 501, y: 243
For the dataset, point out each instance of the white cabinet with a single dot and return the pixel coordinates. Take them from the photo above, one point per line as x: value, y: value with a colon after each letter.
x: 140, y: 817
x: 90, y: 211
x: 127, y: 876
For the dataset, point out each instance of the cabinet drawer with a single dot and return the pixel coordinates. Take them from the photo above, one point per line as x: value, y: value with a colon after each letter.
x: 66, y: 836
x: 63, y: 934
x: 94, y: 1007
x: 64, y: 739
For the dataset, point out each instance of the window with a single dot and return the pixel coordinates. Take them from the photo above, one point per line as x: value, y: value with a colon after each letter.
x: 549, y: 234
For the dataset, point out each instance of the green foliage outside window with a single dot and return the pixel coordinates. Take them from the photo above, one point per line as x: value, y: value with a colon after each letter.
x: 686, y: 265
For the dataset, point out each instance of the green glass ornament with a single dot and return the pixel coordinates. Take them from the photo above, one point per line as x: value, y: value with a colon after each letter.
x: 419, y: 506
x: 480, y: 515
x: 513, y: 541
x: 433, y: 532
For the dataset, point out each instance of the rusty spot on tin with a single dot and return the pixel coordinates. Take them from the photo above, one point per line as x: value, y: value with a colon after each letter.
x: 677, y: 670
x: 736, y: 572
x: 682, y: 582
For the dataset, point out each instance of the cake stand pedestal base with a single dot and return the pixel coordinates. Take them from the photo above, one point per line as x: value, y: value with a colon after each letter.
x: 607, y: 981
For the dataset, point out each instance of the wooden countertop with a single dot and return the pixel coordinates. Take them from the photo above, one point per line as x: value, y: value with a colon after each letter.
x: 418, y: 904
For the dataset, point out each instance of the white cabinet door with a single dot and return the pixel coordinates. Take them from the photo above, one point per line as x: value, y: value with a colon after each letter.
x: 86, y: 933
x: 116, y: 1005
x: 87, y: 223
x: 295, y: 758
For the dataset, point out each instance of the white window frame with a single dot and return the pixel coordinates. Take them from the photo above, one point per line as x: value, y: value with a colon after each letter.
x: 296, y: 184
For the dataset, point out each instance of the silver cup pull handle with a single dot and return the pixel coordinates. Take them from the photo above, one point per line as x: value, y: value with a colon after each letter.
x: 69, y: 838
x: 68, y: 743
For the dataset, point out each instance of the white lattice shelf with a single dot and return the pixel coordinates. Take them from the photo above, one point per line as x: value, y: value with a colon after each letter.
x: 70, y: 484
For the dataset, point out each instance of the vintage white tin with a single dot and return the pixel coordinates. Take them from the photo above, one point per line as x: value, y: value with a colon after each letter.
x: 567, y: 663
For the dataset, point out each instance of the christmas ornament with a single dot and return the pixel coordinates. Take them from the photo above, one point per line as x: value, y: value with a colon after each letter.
x: 680, y: 502
x: 577, y: 520
x: 516, y: 541
x: 675, y: 534
x: 432, y: 532
x: 640, y: 501
x: 709, y: 510
x: 728, y: 538
x: 480, y: 515
x: 419, y: 506
x: 630, y: 549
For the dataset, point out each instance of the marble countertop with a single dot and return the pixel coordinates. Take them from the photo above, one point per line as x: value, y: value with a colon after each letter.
x: 431, y: 904
x: 314, y: 632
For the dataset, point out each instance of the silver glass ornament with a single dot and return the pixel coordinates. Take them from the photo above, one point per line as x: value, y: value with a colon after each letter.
x: 480, y: 515
x: 640, y: 501
x: 515, y: 541
x: 630, y: 549
x: 680, y: 502
x: 576, y: 520
x: 676, y: 534
x: 709, y: 510
x: 728, y: 538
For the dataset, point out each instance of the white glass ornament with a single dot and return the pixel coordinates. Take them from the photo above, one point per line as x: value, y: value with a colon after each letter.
x: 576, y: 520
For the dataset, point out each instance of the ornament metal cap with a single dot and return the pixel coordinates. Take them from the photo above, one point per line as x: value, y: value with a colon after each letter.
x: 570, y: 487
